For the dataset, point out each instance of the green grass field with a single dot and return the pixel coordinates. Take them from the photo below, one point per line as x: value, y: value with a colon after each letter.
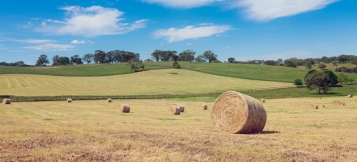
x: 97, y: 131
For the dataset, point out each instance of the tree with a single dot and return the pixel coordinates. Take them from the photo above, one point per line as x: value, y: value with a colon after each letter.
x: 209, y: 55
x: 354, y: 61
x: 231, y: 60
x: 187, y: 55
x: 298, y: 82
x: 270, y: 62
x: 279, y: 62
x: 308, y: 65
x: 55, y: 60
x: 342, y: 78
x: 42, y: 60
x: 321, y: 66
x: 88, y: 58
x: 99, y: 57
x: 318, y: 81
x: 136, y: 65
x: 332, y: 77
x: 290, y: 63
x: 63, y: 61
x: 176, y: 64
x: 200, y: 58
x: 76, y: 60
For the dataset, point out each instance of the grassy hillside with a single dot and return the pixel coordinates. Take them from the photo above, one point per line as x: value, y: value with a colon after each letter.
x: 246, y: 71
x: 168, y: 81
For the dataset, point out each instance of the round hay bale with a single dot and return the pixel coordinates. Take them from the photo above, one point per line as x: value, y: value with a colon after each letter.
x: 109, y: 100
x: 315, y: 106
x: 262, y: 100
x: 69, y: 100
x: 235, y: 112
x: 182, y: 109
x: 350, y: 96
x: 339, y: 102
x: 124, y: 108
x: 6, y: 101
x: 174, y: 110
x: 204, y: 107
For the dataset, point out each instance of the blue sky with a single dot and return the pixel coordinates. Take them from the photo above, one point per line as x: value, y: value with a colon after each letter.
x: 243, y: 29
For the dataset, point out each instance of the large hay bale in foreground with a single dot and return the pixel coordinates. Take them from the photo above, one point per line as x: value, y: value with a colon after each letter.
x: 182, y: 108
x: 69, y: 100
x: 124, y: 108
x: 235, y: 112
x: 350, y: 96
x: 6, y: 101
x: 109, y: 100
x: 315, y: 106
x: 204, y: 107
x: 174, y: 110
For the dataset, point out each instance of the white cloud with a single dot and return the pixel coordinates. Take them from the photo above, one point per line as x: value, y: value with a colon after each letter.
x: 265, y: 10
x: 189, y: 44
x: 183, y: 3
x: 78, y: 42
x: 35, y: 41
x: 51, y: 47
x: 190, y: 32
x: 90, y: 22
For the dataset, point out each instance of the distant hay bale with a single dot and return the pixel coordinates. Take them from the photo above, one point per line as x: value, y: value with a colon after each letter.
x: 204, y: 107
x: 124, y: 108
x: 69, y: 100
x: 262, y: 100
x: 6, y: 101
x: 350, y: 96
x: 174, y: 110
x: 323, y: 106
x: 235, y: 112
x: 109, y: 100
x: 315, y: 106
x: 182, y: 108
x: 339, y: 102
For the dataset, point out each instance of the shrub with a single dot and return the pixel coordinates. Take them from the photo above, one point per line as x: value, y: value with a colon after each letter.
x: 298, y: 82
x: 322, y: 66
x: 318, y: 81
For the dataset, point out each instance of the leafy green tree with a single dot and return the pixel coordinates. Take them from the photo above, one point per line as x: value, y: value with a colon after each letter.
x: 308, y: 65
x: 290, y: 63
x: 209, y: 55
x: 99, y: 57
x: 342, y: 78
x: 333, y: 80
x: 88, y: 58
x: 321, y: 66
x: 76, y: 60
x: 136, y: 65
x: 351, y: 80
x: 231, y: 60
x: 309, y: 72
x: 42, y: 60
x: 298, y: 82
x: 200, y: 58
x: 187, y: 55
x: 318, y: 81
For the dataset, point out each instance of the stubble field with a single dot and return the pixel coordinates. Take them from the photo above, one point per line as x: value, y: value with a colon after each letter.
x: 96, y: 130
x: 168, y: 81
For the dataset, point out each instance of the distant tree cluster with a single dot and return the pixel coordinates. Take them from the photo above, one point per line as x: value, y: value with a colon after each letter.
x: 308, y: 62
x: 346, y: 70
x: 17, y: 63
x: 188, y: 55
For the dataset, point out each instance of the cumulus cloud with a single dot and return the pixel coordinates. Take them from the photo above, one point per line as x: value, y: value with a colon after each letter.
x: 190, y: 32
x: 183, y: 3
x: 91, y: 22
x: 78, y: 42
x: 265, y: 10
x: 51, y: 47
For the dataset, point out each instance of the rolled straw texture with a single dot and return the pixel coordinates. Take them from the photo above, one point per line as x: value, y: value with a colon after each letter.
x: 234, y: 112
x: 124, y: 108
x: 174, y: 110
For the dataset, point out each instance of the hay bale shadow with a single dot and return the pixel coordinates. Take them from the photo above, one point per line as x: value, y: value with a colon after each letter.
x: 269, y: 132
